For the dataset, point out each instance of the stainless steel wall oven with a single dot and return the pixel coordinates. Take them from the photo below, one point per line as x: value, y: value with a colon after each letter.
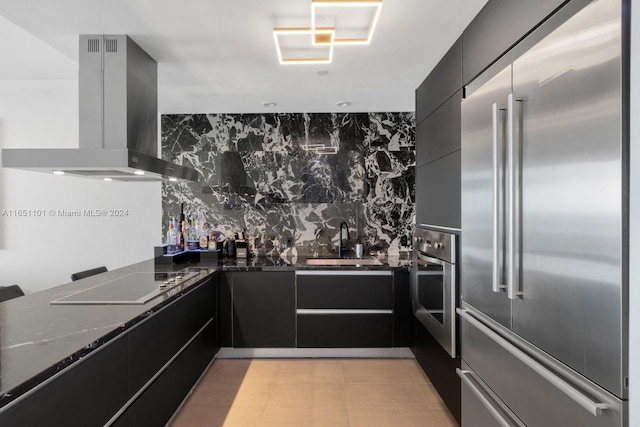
x: 434, y: 288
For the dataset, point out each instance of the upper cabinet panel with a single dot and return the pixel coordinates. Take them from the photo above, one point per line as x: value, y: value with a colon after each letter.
x: 439, y: 134
x: 441, y: 83
x: 498, y: 26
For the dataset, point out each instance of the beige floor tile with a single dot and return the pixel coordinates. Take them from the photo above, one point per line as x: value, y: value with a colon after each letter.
x: 432, y: 396
x: 366, y: 416
x: 224, y: 394
x: 314, y: 393
x: 445, y: 417
x: 385, y: 395
x: 228, y: 371
x: 378, y: 371
x: 309, y: 371
x: 416, y: 371
x: 304, y: 415
x: 304, y: 395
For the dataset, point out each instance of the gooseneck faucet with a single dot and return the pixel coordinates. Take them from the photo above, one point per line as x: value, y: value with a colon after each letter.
x: 342, y: 249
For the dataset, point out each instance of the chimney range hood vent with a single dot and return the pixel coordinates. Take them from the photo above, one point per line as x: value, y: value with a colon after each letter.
x: 118, y: 101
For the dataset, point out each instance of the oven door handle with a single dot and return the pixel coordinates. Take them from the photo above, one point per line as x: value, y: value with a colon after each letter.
x: 424, y: 257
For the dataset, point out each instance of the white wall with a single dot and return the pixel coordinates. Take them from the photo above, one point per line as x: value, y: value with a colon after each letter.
x: 42, y: 252
x: 634, y: 255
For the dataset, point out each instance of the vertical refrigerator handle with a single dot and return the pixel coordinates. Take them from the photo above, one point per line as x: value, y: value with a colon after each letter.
x: 514, y: 185
x: 497, y: 277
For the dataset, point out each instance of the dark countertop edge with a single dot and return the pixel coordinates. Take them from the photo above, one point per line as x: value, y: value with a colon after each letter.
x: 35, y: 381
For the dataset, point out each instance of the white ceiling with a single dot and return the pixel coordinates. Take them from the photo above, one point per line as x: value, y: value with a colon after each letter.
x: 219, y: 55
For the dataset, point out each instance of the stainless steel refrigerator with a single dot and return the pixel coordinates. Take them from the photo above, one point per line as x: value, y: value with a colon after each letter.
x: 544, y: 257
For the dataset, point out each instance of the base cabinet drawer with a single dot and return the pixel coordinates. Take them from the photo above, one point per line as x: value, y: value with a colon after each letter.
x: 362, y: 330
x: 535, y: 380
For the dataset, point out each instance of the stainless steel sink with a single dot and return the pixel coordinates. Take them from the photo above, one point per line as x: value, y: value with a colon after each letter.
x: 343, y: 261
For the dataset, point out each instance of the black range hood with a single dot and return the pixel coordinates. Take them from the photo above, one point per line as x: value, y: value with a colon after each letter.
x: 118, y: 136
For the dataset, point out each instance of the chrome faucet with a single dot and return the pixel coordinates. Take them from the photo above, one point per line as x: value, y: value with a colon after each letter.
x: 341, y: 248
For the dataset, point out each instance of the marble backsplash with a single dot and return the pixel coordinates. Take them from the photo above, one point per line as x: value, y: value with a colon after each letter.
x: 262, y: 173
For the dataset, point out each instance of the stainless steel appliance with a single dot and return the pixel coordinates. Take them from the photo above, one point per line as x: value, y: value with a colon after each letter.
x: 434, y: 288
x: 118, y: 119
x: 543, y: 260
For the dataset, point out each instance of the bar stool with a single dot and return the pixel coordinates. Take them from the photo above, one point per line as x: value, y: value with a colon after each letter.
x: 10, y: 292
x: 86, y: 273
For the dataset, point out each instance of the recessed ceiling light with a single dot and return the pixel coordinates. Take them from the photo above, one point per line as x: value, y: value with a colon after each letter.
x: 323, y: 72
x: 343, y: 103
x: 269, y: 104
x: 108, y: 179
x: 58, y: 172
x: 172, y: 179
x: 139, y: 172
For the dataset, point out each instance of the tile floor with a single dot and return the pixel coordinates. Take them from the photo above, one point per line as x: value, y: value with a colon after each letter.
x: 314, y: 392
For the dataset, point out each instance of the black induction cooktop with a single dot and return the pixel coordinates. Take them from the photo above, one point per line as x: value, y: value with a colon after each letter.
x: 134, y: 288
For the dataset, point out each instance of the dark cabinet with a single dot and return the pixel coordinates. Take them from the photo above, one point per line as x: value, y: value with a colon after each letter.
x: 438, y: 192
x: 440, y: 133
x: 87, y: 394
x: 344, y: 309
x: 498, y: 27
x: 264, y: 313
x: 351, y: 330
x: 440, y: 367
x: 443, y: 81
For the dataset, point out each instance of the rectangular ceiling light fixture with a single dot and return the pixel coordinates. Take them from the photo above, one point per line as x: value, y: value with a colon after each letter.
x: 292, y: 45
x: 355, y: 18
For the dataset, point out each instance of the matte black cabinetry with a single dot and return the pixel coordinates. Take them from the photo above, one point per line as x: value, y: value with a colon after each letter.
x: 145, y: 372
x: 177, y: 344
x: 438, y: 192
x: 264, y: 313
x: 499, y: 26
x: 442, y: 82
x: 440, y: 133
x: 87, y: 394
x: 345, y: 309
x: 440, y: 367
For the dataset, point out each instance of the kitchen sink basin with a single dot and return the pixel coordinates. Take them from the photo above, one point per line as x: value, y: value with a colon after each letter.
x: 343, y: 261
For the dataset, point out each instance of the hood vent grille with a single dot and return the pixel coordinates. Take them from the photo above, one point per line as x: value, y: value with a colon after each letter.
x: 93, y: 45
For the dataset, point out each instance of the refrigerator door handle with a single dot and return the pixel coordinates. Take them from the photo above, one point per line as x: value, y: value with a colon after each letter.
x: 595, y: 408
x: 497, y: 280
x: 513, y: 197
x: 502, y: 421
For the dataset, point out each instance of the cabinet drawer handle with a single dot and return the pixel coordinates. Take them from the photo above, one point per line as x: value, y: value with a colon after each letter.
x: 594, y: 408
x: 482, y: 398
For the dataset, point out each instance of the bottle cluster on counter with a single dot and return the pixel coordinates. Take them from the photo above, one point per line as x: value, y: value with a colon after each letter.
x: 192, y: 234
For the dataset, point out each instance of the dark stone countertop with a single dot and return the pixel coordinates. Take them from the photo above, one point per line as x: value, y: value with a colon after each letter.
x: 293, y: 263
x: 37, y: 339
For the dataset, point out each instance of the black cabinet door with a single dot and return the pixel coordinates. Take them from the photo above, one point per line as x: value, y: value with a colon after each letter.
x: 157, y: 404
x: 440, y: 367
x: 88, y: 393
x: 345, y: 330
x: 403, y: 319
x: 332, y: 289
x: 441, y: 83
x: 497, y: 27
x: 225, y: 316
x: 438, y: 192
x: 440, y: 133
x: 264, y: 311
x: 155, y: 341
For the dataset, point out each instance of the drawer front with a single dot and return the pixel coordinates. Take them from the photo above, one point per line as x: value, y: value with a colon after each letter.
x: 533, y: 382
x: 331, y: 289
x: 154, y: 342
x: 363, y: 330
x: 480, y: 407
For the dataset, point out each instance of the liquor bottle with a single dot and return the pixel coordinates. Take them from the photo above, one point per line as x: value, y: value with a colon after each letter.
x: 203, y: 237
x: 192, y: 234
x: 183, y: 237
x: 171, y: 238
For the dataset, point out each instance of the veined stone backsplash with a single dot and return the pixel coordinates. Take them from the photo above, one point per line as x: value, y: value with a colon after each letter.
x: 261, y: 173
